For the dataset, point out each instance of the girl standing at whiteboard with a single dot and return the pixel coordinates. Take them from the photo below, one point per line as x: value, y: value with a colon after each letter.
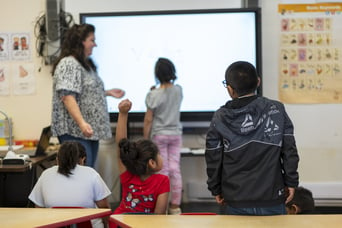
x: 162, y: 125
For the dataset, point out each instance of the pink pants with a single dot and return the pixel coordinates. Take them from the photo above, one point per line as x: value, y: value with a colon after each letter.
x: 169, y: 148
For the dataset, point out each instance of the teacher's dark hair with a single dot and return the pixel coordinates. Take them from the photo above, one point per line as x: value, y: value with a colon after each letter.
x: 68, y: 156
x: 73, y: 46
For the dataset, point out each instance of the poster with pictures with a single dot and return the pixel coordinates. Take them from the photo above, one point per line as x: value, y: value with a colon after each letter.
x: 310, y: 60
x: 4, y: 47
x: 19, y: 46
x: 23, y: 80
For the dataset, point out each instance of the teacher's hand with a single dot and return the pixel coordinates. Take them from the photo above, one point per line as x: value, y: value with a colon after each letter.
x: 117, y: 93
x: 87, y: 130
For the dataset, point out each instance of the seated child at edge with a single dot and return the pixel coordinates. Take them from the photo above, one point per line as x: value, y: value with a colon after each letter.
x: 301, y: 203
x: 143, y: 191
x: 71, y: 184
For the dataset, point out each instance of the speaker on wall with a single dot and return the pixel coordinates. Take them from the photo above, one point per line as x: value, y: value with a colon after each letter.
x: 53, y: 27
x: 250, y: 3
x: 53, y: 9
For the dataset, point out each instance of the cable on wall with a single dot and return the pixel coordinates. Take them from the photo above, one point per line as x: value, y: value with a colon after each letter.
x: 48, y: 48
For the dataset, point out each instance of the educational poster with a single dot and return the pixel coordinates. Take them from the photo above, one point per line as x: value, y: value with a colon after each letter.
x: 23, y: 80
x: 19, y: 46
x: 310, y: 60
x: 4, y: 80
x: 4, y: 47
x: 16, y: 74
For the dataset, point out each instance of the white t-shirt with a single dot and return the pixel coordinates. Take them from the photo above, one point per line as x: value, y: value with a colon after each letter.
x: 81, y: 189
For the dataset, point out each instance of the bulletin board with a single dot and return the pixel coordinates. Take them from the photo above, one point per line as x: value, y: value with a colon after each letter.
x: 310, y: 60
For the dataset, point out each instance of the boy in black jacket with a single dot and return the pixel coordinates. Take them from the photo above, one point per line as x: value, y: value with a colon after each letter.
x: 251, y: 153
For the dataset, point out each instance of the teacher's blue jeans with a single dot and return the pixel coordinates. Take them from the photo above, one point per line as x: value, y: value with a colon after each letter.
x: 274, y: 210
x: 91, y: 147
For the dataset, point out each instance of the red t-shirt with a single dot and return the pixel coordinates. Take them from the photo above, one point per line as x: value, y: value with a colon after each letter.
x: 141, y: 196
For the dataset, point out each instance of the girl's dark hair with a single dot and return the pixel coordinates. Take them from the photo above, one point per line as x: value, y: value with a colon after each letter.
x: 242, y: 77
x: 165, y: 71
x: 72, y: 46
x: 68, y: 156
x: 135, y: 155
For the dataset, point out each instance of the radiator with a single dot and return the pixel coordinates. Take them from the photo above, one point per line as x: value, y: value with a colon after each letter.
x: 198, y: 191
x: 324, y: 193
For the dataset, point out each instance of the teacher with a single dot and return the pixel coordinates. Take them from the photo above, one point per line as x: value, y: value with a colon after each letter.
x: 79, y: 106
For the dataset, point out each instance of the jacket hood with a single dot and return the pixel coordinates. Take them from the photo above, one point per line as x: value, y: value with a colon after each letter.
x: 243, y: 115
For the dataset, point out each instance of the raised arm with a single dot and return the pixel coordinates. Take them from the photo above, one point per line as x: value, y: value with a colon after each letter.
x: 121, y: 128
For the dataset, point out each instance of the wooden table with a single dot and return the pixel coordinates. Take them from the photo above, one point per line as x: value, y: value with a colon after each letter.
x: 47, y: 217
x: 217, y: 221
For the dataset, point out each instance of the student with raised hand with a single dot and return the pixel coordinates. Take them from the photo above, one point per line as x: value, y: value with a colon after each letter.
x: 143, y: 190
x: 162, y: 125
x: 302, y: 202
x: 70, y: 184
x: 251, y: 154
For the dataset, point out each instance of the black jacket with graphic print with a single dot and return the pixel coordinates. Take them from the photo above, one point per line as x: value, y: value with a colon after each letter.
x: 251, y: 153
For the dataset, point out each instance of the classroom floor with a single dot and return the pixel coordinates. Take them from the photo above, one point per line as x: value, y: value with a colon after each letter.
x: 213, y: 207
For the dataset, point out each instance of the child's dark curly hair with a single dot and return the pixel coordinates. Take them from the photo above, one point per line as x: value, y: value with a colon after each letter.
x: 165, y: 70
x: 135, y: 155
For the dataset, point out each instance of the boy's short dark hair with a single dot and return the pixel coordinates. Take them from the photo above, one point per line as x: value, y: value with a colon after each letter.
x: 242, y: 77
x: 304, y: 200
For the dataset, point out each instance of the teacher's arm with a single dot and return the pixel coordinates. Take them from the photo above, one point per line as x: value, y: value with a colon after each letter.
x: 71, y: 105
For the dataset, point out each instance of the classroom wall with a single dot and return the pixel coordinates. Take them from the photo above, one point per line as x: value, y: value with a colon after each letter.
x: 318, y: 127
x: 29, y: 113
